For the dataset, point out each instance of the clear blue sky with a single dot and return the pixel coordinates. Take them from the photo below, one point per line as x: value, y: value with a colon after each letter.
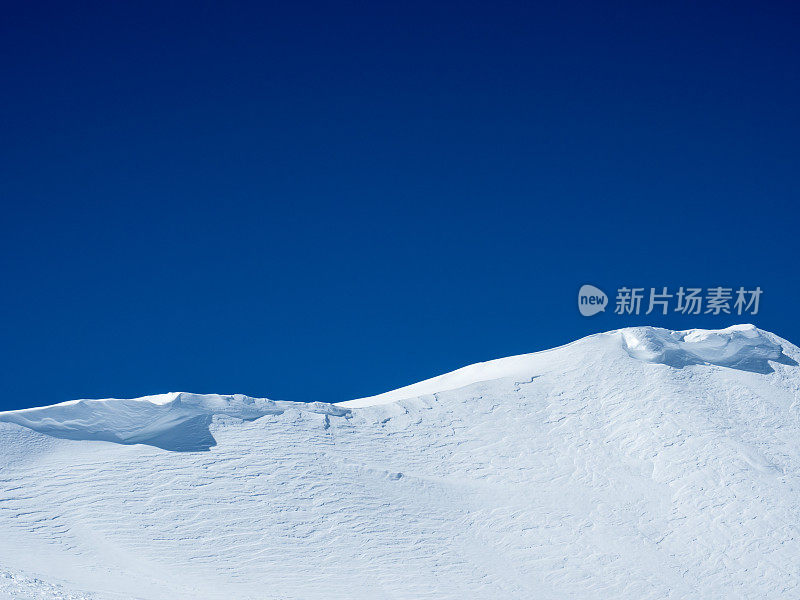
x: 323, y: 201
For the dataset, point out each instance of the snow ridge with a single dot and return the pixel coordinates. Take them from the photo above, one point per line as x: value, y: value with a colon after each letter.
x: 638, y: 464
x: 180, y: 420
x: 173, y: 421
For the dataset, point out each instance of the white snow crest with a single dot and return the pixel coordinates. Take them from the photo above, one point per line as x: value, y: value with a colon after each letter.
x: 173, y: 421
x: 741, y: 346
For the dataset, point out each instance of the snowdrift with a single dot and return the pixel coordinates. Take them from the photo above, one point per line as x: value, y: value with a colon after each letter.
x: 174, y: 421
x: 739, y: 347
x: 640, y: 463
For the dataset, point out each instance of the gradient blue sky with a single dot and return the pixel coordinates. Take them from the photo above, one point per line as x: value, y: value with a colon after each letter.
x: 315, y: 201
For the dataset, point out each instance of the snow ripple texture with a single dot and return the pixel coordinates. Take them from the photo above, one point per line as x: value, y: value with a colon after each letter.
x: 636, y: 464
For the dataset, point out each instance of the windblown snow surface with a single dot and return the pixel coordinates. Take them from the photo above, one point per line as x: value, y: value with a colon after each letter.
x: 641, y: 463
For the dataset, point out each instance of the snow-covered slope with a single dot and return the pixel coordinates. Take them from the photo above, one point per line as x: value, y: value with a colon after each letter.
x: 640, y: 463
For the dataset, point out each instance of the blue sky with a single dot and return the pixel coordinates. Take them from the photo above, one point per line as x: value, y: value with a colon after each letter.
x: 326, y: 201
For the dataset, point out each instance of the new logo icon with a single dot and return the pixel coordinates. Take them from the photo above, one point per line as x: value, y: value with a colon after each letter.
x: 591, y: 300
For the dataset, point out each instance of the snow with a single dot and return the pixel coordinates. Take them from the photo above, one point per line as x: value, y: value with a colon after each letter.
x: 174, y: 421
x: 639, y: 463
x: 740, y: 346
